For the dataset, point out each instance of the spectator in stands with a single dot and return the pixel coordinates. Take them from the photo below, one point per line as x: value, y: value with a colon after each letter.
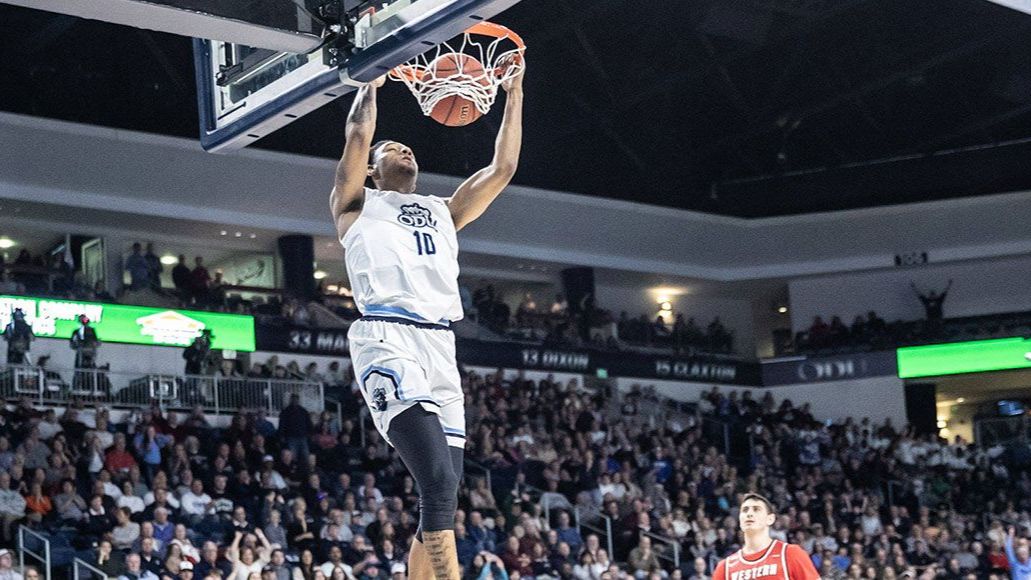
x: 932, y: 301
x: 210, y: 561
x: 19, y: 337
x: 135, y: 571
x: 7, y: 571
x: 8, y: 285
x: 85, y: 343
x: 181, y: 280
x: 109, y: 560
x: 295, y: 426
x: 559, y: 307
x: 1018, y: 556
x: 37, y: 503
x: 154, y: 267
x: 200, y: 282
x: 819, y: 333
x: 12, y: 507
x: 139, y: 271
x: 197, y: 506
x: 70, y: 506
x: 126, y: 532
x: 198, y: 354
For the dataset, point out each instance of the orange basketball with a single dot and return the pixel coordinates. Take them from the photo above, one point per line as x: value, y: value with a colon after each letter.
x: 456, y: 111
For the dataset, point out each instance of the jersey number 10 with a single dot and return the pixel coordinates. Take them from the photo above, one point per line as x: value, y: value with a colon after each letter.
x: 424, y: 242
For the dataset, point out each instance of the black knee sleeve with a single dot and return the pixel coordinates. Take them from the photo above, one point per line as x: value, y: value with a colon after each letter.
x: 419, y: 439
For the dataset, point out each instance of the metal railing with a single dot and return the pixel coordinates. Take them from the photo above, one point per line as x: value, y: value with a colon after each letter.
x: 670, y: 550
x: 601, y: 525
x: 36, y: 545
x: 214, y: 394
x: 992, y: 431
x: 84, y: 571
x: 469, y: 463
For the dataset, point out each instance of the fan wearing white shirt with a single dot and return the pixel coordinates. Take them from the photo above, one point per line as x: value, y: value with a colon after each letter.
x: 129, y: 500
x: 247, y: 561
x: 195, y: 503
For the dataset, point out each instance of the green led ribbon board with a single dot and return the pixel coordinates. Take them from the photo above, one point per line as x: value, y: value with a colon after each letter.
x: 131, y: 324
x: 964, y: 357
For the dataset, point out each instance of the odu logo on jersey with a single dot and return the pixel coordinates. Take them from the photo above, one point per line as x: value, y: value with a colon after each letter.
x: 416, y: 216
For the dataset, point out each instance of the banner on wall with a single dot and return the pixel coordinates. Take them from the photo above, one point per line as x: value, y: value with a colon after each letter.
x: 131, y: 324
x: 297, y: 339
x: 804, y: 369
x: 975, y: 356
x: 333, y: 342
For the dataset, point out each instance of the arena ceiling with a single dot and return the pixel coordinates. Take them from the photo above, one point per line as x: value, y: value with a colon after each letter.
x: 749, y: 108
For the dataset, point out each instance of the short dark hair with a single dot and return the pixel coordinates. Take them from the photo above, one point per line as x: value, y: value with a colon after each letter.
x: 375, y: 146
x: 759, y: 498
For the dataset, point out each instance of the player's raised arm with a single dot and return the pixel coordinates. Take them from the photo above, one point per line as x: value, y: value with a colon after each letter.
x: 348, y: 193
x: 472, y: 197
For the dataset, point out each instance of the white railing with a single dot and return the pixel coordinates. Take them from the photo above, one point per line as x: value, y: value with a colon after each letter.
x: 83, y: 571
x: 668, y: 550
x: 602, y: 527
x: 214, y: 394
x: 35, y: 545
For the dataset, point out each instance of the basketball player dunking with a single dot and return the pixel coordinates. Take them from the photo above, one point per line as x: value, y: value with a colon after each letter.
x: 402, y: 261
x: 763, y: 557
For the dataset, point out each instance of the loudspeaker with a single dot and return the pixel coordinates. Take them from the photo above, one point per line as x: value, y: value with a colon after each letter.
x: 921, y: 408
x: 297, y: 253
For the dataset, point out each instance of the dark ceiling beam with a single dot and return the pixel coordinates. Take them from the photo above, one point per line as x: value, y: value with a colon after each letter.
x: 170, y: 69
x: 729, y: 86
x: 45, y: 35
x: 767, y: 121
x: 973, y: 127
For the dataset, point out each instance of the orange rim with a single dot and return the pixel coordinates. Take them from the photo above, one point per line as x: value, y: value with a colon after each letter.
x: 414, y: 73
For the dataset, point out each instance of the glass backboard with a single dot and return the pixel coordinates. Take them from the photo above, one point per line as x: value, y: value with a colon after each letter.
x: 246, y: 93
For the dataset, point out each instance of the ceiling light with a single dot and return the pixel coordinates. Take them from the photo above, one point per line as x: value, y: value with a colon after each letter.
x: 169, y: 259
x: 661, y: 291
x: 238, y: 234
x: 6, y: 243
x: 332, y: 288
x: 252, y: 236
x: 665, y: 306
x: 783, y: 310
x: 961, y: 400
x: 319, y: 274
x: 222, y: 233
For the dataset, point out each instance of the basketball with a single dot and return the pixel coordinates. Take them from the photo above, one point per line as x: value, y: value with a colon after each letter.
x: 456, y: 111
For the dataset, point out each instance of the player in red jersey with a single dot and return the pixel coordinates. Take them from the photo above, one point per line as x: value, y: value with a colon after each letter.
x: 762, y: 557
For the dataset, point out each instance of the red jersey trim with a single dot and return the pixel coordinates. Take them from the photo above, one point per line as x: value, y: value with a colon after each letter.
x: 765, y: 553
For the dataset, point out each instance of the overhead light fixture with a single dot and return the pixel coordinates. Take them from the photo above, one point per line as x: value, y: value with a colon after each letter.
x: 662, y: 292
x: 783, y: 310
x: 238, y: 234
x: 332, y: 288
x: 222, y: 233
x: 665, y: 306
x: 319, y: 274
x: 961, y: 400
x: 6, y: 242
x: 252, y: 236
x: 169, y: 259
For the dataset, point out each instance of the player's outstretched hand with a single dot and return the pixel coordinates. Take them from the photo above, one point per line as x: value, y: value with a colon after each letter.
x: 516, y: 81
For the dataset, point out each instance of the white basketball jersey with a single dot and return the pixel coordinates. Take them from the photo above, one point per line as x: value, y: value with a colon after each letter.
x: 402, y: 258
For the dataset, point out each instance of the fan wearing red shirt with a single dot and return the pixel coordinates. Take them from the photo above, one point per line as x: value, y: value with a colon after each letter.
x: 762, y: 557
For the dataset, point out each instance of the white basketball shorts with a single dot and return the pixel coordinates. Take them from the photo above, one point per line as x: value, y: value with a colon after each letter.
x: 398, y: 365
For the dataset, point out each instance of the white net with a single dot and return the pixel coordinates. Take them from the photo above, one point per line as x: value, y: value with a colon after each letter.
x: 449, y: 71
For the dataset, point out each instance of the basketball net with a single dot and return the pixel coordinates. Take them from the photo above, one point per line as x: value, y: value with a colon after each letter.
x: 502, y: 59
